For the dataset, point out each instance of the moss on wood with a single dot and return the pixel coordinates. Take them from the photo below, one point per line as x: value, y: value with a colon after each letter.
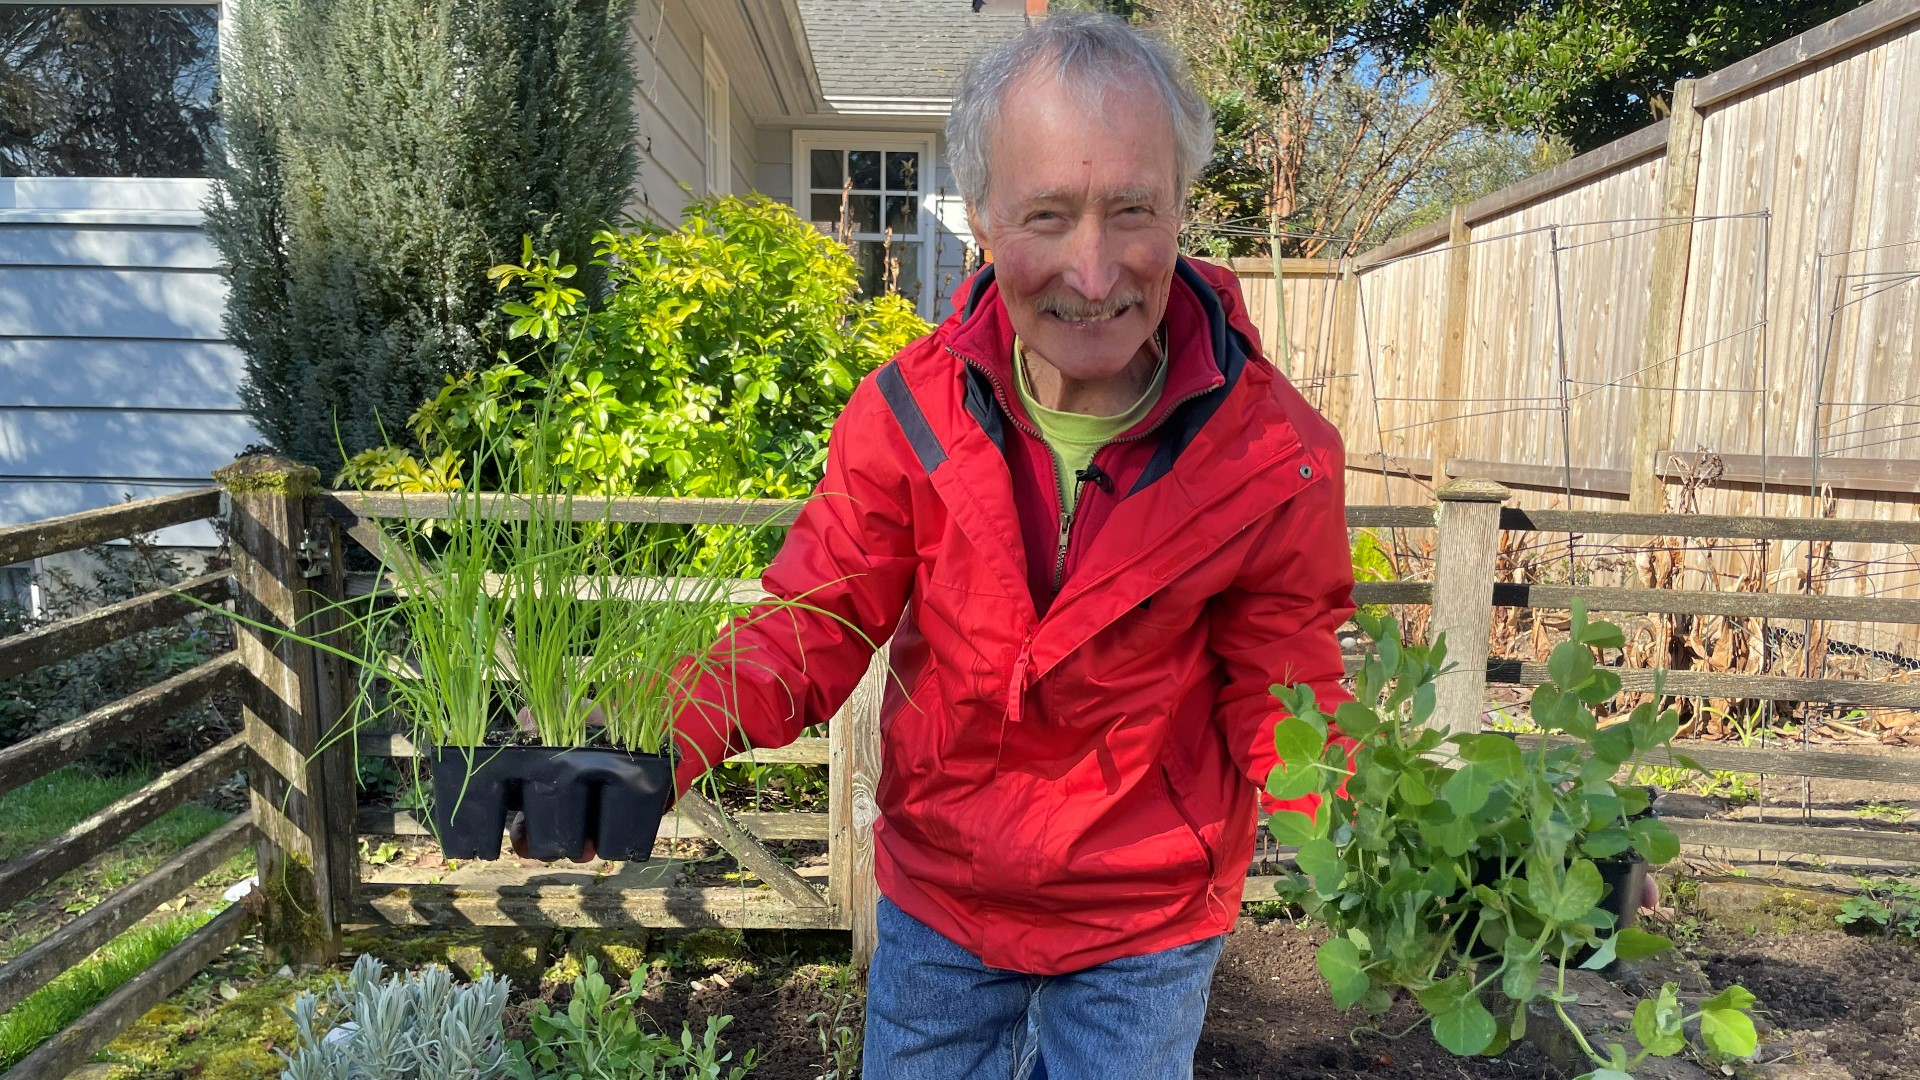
x: 266, y: 474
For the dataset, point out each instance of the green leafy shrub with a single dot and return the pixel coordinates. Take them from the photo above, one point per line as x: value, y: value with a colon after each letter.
x: 1457, y: 867
x: 721, y: 356
x: 1372, y: 561
x: 380, y: 155
x: 599, y: 1037
x: 417, y: 1025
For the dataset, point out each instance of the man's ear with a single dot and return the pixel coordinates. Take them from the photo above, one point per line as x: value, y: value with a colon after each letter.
x: 976, y: 223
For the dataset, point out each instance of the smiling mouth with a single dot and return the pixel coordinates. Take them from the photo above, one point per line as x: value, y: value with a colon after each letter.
x: 1093, y: 319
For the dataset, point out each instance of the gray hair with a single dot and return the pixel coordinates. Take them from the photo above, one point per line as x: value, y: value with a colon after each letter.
x: 1088, y: 53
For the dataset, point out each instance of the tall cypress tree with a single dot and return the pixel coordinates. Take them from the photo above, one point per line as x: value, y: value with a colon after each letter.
x: 380, y: 156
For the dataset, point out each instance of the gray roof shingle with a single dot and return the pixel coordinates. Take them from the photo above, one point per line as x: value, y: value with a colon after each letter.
x: 899, y: 48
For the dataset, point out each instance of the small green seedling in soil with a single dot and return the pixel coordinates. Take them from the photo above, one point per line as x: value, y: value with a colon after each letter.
x: 1890, y: 904
x: 1879, y: 811
x: 1461, y: 867
x: 598, y: 1037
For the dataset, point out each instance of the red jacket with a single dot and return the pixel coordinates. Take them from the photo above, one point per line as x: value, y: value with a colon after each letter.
x: 1067, y: 777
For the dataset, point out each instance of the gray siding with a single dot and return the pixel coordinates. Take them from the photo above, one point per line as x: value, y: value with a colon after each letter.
x: 116, y: 381
x: 668, y: 105
x: 744, y: 154
x: 774, y: 173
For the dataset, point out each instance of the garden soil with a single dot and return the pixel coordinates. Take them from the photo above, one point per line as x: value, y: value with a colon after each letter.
x: 1832, y: 998
x: 1269, y: 1017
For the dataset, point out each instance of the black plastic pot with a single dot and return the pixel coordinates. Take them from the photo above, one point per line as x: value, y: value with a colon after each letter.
x: 1625, y: 878
x: 612, y: 798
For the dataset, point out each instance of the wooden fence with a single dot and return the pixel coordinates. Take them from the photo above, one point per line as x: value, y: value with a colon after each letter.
x: 101, y: 729
x: 289, y: 542
x: 1741, y: 278
x: 845, y: 899
x: 1469, y: 518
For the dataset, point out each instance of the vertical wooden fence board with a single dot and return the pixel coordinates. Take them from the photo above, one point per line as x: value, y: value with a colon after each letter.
x: 853, y: 787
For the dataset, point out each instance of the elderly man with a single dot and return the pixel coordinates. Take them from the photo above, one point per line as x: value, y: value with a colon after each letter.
x: 1097, y: 527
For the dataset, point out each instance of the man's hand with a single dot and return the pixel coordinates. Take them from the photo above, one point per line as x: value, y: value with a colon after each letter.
x: 517, y: 836
x: 517, y: 824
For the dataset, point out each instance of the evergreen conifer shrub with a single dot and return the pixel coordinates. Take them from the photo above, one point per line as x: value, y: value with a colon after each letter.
x: 380, y: 157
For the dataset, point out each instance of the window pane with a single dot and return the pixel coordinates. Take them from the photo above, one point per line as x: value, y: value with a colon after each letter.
x: 107, y: 91
x: 865, y: 213
x: 826, y: 169
x: 903, y: 172
x: 825, y: 211
x: 903, y: 214
x: 904, y: 270
x: 865, y: 167
x: 866, y: 256
x: 888, y: 268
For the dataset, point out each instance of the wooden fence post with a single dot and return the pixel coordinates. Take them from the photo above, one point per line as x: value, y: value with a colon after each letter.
x: 1469, y: 524
x: 298, y: 768
x: 1666, y: 306
x: 1453, y: 347
x: 853, y: 782
x: 1337, y: 397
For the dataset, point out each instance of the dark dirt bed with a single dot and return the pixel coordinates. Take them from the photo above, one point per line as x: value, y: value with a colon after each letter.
x: 1832, y: 998
x: 1270, y: 1019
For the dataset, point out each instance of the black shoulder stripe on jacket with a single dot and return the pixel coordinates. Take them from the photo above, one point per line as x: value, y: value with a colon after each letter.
x: 984, y: 407
x: 977, y: 290
x: 1230, y: 351
x: 913, y: 422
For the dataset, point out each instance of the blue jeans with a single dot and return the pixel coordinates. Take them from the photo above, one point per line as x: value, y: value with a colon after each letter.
x: 935, y: 1012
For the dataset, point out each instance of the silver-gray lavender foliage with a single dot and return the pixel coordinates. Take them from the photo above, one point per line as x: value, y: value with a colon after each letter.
x: 418, y: 1025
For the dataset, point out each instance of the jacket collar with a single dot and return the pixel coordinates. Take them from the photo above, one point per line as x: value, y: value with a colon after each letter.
x: 1198, y: 356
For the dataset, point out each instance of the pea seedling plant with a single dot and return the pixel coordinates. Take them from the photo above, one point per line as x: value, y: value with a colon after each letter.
x: 1460, y: 867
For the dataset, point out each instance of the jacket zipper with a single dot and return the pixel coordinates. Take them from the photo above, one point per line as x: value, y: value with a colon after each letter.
x: 1066, y: 530
x: 1065, y: 538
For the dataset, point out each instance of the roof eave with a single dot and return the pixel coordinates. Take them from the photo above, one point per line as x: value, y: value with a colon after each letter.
x: 889, y: 106
x: 807, y: 97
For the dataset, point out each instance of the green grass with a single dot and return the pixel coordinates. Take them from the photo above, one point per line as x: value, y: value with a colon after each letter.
x: 87, y: 983
x: 42, y: 809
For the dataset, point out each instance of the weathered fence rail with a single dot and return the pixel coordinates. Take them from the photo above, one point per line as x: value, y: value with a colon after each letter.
x: 1467, y: 614
x: 100, y: 729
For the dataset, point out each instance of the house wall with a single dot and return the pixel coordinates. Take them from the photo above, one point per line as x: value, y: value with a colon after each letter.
x: 116, y: 379
x: 744, y: 163
x: 668, y: 110
x: 774, y: 174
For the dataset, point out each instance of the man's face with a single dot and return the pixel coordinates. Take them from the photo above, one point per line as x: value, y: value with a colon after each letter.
x: 1082, y: 218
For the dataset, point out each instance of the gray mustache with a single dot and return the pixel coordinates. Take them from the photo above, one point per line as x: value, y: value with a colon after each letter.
x: 1085, y: 310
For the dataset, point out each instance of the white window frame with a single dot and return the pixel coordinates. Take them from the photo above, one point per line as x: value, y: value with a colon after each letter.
x: 717, y: 110
x: 805, y: 142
